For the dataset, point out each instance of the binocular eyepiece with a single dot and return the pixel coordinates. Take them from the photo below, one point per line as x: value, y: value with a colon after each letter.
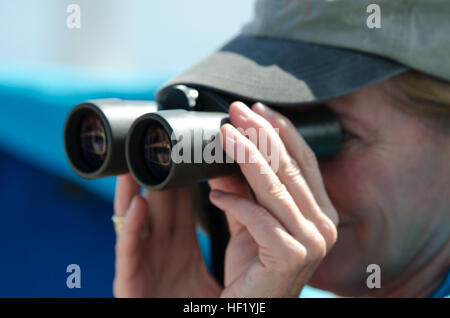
x: 165, y: 148
x: 95, y: 135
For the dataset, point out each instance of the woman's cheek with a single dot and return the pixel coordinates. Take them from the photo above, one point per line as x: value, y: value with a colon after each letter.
x: 349, y: 182
x: 366, y: 193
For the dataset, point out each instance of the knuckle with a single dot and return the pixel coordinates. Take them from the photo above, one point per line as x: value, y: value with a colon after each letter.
x: 296, y: 258
x: 329, y: 233
x: 275, y: 189
x: 258, y: 212
x: 298, y: 254
x: 291, y: 170
x: 262, y: 227
x: 317, y: 248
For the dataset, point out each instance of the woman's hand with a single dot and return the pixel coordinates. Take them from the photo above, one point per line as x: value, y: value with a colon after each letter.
x: 278, y: 241
x: 168, y: 262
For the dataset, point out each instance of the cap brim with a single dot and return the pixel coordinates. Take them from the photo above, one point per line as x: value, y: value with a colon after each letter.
x: 284, y: 72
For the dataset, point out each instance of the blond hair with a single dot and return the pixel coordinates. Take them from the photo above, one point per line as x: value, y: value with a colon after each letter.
x: 424, y: 95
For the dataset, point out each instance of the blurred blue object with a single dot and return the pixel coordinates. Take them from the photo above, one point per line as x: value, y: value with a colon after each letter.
x: 52, y: 218
x: 48, y: 222
x: 34, y: 102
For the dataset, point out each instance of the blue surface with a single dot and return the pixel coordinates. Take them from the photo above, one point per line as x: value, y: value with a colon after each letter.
x: 34, y: 102
x: 47, y: 222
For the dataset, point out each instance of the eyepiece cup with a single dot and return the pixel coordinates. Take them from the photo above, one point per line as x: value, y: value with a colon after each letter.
x: 87, y: 140
x: 95, y: 134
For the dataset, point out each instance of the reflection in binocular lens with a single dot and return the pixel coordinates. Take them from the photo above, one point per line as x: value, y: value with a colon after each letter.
x: 157, y: 152
x: 92, y: 140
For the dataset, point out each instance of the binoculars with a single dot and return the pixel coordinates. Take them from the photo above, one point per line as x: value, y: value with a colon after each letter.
x: 108, y: 137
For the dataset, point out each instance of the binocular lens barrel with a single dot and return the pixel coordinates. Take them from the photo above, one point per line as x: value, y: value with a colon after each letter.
x: 153, y: 145
x: 95, y: 134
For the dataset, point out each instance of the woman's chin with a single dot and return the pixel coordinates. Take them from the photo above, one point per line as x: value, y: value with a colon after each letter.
x: 328, y: 276
x: 342, y: 269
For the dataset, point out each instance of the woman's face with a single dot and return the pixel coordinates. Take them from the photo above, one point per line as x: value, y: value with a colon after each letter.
x: 390, y: 185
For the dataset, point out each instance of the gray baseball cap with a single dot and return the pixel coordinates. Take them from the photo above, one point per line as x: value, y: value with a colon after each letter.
x: 308, y: 51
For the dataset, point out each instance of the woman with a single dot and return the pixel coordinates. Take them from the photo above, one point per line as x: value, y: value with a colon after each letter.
x: 385, y: 197
x: 383, y: 200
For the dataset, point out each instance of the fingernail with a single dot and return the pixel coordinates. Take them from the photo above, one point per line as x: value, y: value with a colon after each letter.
x: 216, y: 193
x: 243, y: 118
x: 263, y: 109
x: 242, y: 110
